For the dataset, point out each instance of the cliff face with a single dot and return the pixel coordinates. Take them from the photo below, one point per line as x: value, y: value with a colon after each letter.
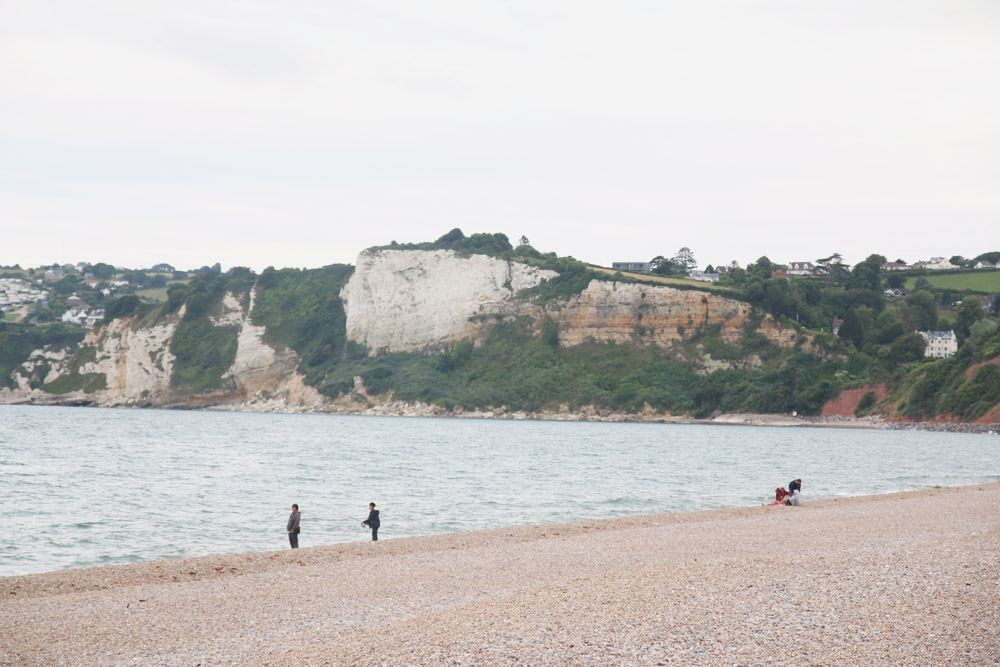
x: 643, y: 314
x: 265, y: 378
x: 133, y: 365
x: 395, y: 301
x: 135, y: 362
x: 405, y: 301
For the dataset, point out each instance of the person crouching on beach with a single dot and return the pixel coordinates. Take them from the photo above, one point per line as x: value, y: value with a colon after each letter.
x: 293, y: 527
x: 372, y: 521
x: 794, y: 489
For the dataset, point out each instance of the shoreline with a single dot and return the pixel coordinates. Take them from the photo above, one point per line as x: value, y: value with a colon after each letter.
x: 401, y: 409
x: 249, y: 556
x: 901, y: 578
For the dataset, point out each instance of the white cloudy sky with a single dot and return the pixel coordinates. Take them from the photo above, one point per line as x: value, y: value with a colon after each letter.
x: 298, y: 133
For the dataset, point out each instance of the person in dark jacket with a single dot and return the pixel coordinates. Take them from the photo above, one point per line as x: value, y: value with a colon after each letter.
x: 293, y: 527
x: 794, y: 492
x: 372, y: 521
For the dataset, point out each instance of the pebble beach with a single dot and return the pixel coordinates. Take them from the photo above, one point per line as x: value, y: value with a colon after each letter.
x: 901, y: 579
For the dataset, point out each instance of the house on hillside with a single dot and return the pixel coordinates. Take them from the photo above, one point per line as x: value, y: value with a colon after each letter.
x: 940, y: 344
x: 83, y: 316
x: 935, y: 264
x: 801, y: 268
x: 895, y: 293
x: 704, y: 277
x: 898, y: 265
x: 982, y: 264
x: 54, y: 275
x: 638, y: 267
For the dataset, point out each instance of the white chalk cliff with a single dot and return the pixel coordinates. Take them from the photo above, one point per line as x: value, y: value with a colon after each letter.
x: 413, y: 300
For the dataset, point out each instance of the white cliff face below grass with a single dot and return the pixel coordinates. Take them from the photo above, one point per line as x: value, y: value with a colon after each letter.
x: 137, y: 363
x: 266, y: 379
x: 411, y: 300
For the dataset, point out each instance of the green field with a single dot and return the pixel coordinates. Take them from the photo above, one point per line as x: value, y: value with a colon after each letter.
x: 666, y: 280
x: 983, y: 280
x: 153, y: 293
x: 158, y: 294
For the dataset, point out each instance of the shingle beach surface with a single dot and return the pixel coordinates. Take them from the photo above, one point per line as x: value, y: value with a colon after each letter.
x: 903, y: 579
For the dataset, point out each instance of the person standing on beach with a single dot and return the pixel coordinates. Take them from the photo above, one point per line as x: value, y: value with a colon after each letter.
x: 372, y: 521
x: 293, y: 527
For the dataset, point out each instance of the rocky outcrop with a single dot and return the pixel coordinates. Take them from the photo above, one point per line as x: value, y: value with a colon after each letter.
x: 643, y: 314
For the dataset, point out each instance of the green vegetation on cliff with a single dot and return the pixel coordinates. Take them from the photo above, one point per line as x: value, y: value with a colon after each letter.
x: 18, y: 341
x: 302, y: 310
x: 964, y: 387
x: 524, y: 369
x: 203, y: 351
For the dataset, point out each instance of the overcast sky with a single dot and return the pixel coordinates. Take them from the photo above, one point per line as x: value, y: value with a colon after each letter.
x: 299, y: 133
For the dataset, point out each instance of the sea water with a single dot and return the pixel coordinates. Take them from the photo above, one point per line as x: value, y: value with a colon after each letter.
x: 84, y: 486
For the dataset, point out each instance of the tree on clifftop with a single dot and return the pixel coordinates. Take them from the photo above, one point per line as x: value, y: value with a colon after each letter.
x: 685, y: 262
x: 832, y: 268
x: 450, y: 238
x: 663, y: 266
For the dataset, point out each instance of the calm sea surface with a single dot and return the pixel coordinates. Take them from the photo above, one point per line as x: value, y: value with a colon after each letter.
x: 83, y: 486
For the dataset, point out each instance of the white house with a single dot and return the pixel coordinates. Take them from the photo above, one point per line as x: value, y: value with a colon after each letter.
x: 935, y: 264
x: 939, y: 343
x: 704, y: 277
x: 894, y: 266
x: 985, y: 265
x: 82, y: 316
x: 800, y: 268
x: 75, y: 316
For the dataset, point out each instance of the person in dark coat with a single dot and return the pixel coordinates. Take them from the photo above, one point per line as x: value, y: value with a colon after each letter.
x: 372, y: 521
x: 293, y: 527
x: 794, y: 492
